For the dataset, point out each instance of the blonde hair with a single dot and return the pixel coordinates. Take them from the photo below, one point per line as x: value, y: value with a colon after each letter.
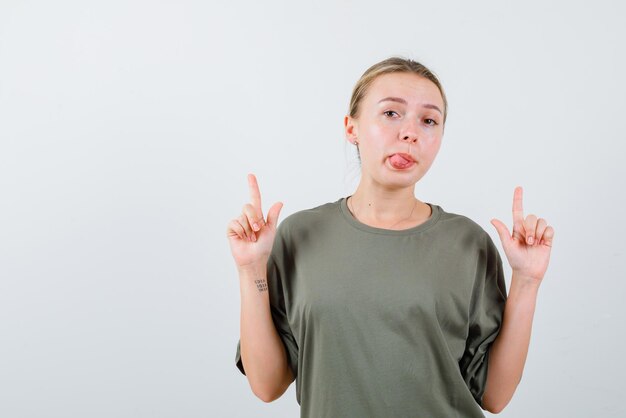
x: 391, y: 65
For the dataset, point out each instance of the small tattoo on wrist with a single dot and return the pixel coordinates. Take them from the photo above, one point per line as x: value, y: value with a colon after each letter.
x: 261, y: 284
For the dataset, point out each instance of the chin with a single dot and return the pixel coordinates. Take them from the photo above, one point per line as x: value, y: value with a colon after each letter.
x: 407, y: 180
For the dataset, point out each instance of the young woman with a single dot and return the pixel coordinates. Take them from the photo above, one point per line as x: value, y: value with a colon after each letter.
x: 379, y: 304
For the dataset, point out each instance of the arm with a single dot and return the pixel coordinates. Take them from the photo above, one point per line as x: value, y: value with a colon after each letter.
x: 528, y: 250
x: 508, y: 352
x: 262, y: 351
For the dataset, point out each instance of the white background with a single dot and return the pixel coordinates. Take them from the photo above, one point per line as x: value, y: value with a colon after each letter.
x: 127, y: 129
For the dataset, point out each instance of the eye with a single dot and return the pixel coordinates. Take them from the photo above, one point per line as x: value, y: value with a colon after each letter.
x: 389, y: 111
x: 433, y: 122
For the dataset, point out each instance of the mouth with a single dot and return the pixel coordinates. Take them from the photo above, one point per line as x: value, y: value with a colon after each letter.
x: 401, y: 161
x: 407, y: 157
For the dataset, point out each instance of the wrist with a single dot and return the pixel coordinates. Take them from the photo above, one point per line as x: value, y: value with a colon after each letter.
x: 525, y: 282
x: 252, y: 271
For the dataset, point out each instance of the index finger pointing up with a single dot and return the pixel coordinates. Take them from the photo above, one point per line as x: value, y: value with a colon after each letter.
x: 255, y: 195
x: 518, y: 210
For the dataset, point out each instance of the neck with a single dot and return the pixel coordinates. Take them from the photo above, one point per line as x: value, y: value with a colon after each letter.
x: 384, y: 206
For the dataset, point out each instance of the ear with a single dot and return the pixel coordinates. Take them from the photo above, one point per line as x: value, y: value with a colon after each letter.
x: 351, y: 128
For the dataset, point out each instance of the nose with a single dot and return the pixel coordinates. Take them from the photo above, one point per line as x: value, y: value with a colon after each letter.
x: 410, y: 132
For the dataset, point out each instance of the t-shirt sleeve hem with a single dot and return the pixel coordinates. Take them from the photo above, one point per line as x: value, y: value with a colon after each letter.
x: 238, y: 361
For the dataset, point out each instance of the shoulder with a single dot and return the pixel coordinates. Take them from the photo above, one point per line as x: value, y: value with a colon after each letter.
x: 464, y: 229
x: 313, y: 218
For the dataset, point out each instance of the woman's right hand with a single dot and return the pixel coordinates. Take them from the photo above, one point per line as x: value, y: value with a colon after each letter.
x: 250, y: 246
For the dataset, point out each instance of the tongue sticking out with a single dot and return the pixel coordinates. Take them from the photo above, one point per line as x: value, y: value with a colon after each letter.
x: 398, y: 161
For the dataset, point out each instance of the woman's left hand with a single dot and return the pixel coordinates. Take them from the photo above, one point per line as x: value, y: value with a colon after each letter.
x: 528, y: 249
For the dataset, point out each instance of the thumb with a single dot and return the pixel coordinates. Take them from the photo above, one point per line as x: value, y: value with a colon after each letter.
x: 273, y: 213
x: 503, y: 231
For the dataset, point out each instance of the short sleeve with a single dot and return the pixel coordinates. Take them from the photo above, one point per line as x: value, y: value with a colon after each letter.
x: 279, y: 269
x: 485, y: 318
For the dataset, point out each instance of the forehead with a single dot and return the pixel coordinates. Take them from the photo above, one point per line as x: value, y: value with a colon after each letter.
x: 411, y: 87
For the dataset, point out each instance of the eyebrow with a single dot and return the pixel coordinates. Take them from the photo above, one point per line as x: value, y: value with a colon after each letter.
x: 400, y: 100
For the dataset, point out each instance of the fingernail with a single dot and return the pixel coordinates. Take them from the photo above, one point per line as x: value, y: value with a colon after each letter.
x: 255, y: 226
x: 254, y: 237
x: 530, y: 240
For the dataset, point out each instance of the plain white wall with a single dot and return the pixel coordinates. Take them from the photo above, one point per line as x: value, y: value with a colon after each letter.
x: 127, y: 129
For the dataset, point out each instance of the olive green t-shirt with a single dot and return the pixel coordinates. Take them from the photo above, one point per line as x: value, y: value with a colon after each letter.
x: 385, y: 323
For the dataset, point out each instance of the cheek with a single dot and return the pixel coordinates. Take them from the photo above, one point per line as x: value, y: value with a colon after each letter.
x: 381, y: 137
x: 375, y: 131
x: 432, y: 145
